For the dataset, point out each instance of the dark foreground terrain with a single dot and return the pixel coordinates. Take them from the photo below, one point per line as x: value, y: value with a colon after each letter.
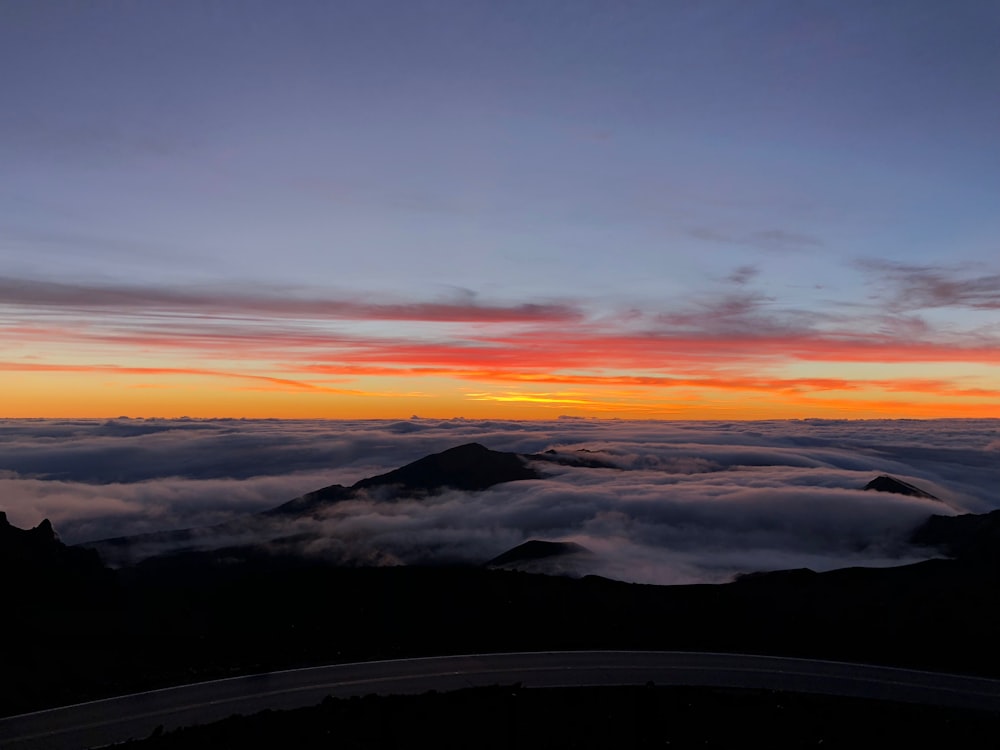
x: 510, y: 716
x: 86, y: 632
x: 74, y: 630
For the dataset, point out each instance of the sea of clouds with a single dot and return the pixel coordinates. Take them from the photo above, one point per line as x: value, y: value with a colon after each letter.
x: 687, y: 501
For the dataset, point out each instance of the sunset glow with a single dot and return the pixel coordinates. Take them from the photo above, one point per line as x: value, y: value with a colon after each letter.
x: 125, y: 361
x: 459, y: 210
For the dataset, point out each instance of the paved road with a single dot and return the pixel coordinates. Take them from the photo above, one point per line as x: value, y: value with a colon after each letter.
x: 118, y: 719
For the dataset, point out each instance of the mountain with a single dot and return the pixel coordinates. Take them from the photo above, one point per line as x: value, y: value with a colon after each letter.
x: 535, y: 549
x: 35, y: 565
x: 544, y: 557
x: 580, y: 457
x: 969, y: 537
x: 471, y: 467
x: 885, y: 483
x: 288, y: 530
x: 38, y: 550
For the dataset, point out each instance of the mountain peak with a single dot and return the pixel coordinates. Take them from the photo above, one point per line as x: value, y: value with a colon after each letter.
x: 885, y: 483
x: 35, y: 566
x: 471, y: 466
x: 535, y: 549
x: 45, y: 531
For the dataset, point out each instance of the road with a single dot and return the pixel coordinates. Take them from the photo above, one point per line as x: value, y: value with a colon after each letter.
x: 135, y: 716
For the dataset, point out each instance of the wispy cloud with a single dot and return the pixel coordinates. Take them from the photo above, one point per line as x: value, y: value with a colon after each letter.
x: 300, y: 341
x: 743, y: 275
x: 917, y: 287
x: 266, y: 302
x: 771, y: 239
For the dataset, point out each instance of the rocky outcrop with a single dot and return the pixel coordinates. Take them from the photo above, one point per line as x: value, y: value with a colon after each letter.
x: 35, y: 566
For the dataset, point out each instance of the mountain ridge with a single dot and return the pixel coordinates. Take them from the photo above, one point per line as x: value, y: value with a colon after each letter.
x: 469, y: 467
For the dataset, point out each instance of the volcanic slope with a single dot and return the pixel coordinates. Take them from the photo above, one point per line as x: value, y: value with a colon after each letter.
x: 471, y: 467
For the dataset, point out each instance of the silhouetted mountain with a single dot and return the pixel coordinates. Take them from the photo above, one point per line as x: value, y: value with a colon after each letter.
x: 466, y: 467
x: 35, y: 565
x: 885, y: 483
x: 39, y: 541
x: 469, y: 467
x: 121, y: 551
x: 536, y: 549
x: 311, y: 501
x: 578, y: 457
x: 968, y: 537
x: 547, y: 558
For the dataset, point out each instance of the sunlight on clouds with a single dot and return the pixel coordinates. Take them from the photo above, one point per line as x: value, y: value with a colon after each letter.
x: 531, y: 398
x: 38, y: 390
x: 209, y: 356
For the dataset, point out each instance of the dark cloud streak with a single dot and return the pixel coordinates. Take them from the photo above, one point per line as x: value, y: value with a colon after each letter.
x: 917, y: 287
x: 771, y: 240
x: 280, y: 302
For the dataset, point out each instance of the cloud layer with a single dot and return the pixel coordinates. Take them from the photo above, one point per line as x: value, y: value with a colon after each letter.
x: 687, y: 501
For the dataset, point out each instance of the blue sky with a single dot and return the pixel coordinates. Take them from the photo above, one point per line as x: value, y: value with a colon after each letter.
x: 799, y: 164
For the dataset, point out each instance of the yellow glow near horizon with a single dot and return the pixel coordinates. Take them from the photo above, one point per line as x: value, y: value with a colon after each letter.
x: 105, y: 394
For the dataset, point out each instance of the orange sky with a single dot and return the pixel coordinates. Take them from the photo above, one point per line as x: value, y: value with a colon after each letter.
x: 99, y: 351
x: 93, y: 371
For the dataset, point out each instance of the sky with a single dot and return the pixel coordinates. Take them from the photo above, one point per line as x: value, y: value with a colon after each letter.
x: 684, y: 502
x: 377, y: 209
